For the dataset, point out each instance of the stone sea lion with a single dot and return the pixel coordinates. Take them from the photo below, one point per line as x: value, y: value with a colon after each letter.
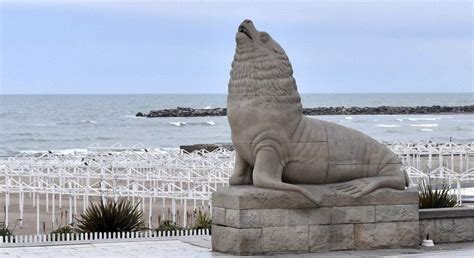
x: 277, y: 147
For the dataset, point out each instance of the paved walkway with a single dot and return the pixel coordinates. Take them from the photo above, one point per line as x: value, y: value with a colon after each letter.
x: 200, y: 247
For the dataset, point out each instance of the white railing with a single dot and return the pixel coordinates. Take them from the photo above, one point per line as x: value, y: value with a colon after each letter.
x: 97, y: 237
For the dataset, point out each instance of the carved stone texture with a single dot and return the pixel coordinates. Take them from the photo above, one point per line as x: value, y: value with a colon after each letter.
x: 277, y: 147
x: 248, y: 220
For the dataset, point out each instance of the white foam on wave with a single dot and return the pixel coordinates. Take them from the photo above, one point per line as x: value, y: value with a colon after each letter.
x: 424, y: 118
x: 45, y: 125
x: 88, y: 122
x: 426, y: 130
x: 400, y: 119
x: 429, y: 118
x: 208, y: 107
x: 424, y: 125
x: 210, y: 122
x: 177, y: 123
x: 348, y: 118
x: 387, y: 125
x: 62, y: 152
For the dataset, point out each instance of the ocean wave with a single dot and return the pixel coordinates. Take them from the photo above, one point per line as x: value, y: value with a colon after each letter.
x: 100, y: 138
x: 45, y: 124
x: 179, y: 124
x: 424, y: 118
x: 388, y: 125
x: 426, y: 130
x: 63, y: 151
x: 88, y: 122
x: 424, y: 125
x: 400, y: 119
x: 84, y: 121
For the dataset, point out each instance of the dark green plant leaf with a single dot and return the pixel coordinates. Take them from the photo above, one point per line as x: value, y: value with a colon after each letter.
x: 111, y: 216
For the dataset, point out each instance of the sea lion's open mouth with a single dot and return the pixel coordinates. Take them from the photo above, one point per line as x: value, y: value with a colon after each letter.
x: 245, y: 31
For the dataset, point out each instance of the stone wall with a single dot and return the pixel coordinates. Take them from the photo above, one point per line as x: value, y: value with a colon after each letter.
x: 447, y: 225
x: 249, y: 220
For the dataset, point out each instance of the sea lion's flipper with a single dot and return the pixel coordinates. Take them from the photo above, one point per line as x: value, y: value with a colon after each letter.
x: 268, y: 171
x: 362, y: 186
x: 242, y: 172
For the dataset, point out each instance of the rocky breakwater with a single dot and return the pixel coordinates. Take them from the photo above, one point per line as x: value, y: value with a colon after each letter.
x: 184, y: 112
x: 382, y: 110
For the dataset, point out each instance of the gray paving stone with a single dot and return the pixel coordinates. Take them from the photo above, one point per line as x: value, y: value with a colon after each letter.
x: 237, y: 241
x: 353, y: 214
x: 389, y: 213
x: 218, y: 215
x: 313, y: 216
x: 386, y: 235
x: 250, y: 197
x: 331, y: 237
x: 285, y: 239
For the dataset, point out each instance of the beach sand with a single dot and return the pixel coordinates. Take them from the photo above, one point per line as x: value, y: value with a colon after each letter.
x: 29, y: 222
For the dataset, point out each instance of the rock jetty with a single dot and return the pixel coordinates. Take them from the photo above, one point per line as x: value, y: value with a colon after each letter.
x: 382, y: 110
x: 207, y: 146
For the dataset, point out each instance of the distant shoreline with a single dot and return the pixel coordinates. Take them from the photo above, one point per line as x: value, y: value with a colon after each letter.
x: 381, y: 110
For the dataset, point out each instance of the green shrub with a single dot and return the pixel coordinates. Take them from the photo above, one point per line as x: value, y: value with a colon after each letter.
x: 203, y: 221
x: 56, y: 234
x: 112, y: 216
x: 64, y: 230
x: 437, y: 198
x: 168, y: 225
x: 5, y: 232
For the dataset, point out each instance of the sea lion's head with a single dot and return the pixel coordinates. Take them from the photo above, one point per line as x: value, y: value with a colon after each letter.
x: 261, y: 72
x: 249, y: 37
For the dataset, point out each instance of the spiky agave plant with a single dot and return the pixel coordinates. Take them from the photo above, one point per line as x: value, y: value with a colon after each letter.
x: 437, y: 198
x: 111, y: 216
x: 203, y: 221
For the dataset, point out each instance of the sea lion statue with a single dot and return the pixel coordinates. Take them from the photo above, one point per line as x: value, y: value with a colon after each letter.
x: 277, y: 147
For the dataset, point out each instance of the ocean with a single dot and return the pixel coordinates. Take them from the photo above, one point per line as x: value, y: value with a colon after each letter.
x: 31, y: 123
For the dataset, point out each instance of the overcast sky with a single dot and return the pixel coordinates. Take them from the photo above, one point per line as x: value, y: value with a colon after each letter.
x: 48, y: 47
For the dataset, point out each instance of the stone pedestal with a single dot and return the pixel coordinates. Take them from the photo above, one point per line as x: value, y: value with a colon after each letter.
x: 249, y: 220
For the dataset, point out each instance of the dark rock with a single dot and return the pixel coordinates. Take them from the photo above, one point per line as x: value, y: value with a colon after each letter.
x: 207, y: 146
x: 382, y: 110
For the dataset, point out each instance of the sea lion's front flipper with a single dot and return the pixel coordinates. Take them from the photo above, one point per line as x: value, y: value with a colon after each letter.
x: 359, y: 187
x: 242, y: 172
x: 268, y: 171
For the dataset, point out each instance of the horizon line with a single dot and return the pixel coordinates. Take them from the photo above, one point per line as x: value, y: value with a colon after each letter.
x: 322, y: 93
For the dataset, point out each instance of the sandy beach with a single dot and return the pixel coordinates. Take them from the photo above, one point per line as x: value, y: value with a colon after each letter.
x: 29, y: 222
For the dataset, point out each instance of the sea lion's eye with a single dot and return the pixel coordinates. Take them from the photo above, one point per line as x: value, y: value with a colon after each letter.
x: 263, y: 38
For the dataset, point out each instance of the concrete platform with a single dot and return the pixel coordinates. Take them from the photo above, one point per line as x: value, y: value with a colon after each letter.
x: 250, y: 221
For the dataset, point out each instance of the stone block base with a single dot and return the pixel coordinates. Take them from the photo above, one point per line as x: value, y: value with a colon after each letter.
x: 248, y: 221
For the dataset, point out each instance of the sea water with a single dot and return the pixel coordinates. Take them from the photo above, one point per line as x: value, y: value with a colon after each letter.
x: 65, y: 122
